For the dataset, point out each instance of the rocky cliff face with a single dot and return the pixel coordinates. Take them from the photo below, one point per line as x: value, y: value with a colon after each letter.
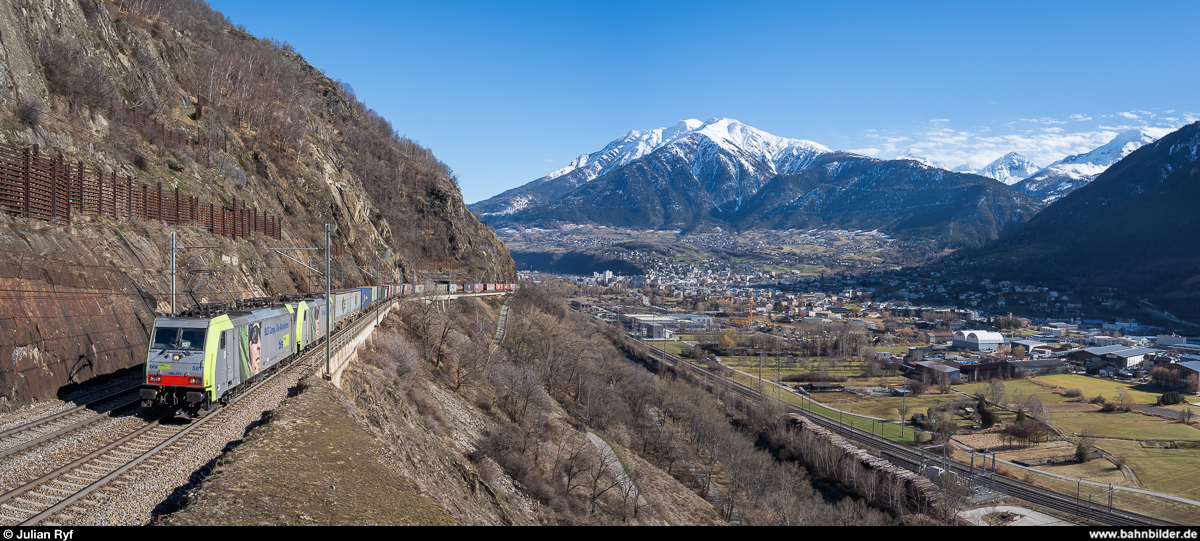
x: 237, y: 118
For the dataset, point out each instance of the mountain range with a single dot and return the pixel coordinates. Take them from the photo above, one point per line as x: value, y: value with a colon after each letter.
x: 1134, y: 227
x: 730, y: 146
x: 1068, y: 174
x: 722, y: 173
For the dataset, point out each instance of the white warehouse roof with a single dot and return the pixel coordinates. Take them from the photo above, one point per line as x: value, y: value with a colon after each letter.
x: 981, y: 337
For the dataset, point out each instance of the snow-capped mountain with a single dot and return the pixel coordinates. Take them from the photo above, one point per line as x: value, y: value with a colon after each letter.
x: 707, y: 144
x: 1010, y: 169
x: 911, y: 154
x: 1069, y: 174
x: 1134, y: 227
x: 722, y: 173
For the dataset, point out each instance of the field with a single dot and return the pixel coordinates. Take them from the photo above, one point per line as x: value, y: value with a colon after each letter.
x: 1126, y: 426
x: 1142, y: 393
x: 1172, y: 471
x: 674, y: 347
x: 1013, y: 388
x: 774, y: 368
x: 889, y: 408
x: 1102, y: 471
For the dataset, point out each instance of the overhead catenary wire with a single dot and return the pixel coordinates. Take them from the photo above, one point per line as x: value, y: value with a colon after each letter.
x: 52, y: 293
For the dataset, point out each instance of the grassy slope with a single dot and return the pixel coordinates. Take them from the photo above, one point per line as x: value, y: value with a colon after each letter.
x: 311, y: 465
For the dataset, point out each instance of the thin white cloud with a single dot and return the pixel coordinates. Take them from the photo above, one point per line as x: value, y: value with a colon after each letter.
x: 1157, y: 133
x: 869, y: 151
x: 1123, y: 127
x: 1042, y: 140
x: 1042, y: 120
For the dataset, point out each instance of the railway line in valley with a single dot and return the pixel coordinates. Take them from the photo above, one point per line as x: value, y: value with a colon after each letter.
x: 910, y: 458
x: 108, y: 462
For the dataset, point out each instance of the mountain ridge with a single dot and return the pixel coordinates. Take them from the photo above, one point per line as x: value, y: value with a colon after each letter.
x: 1132, y: 228
x: 777, y: 153
x: 711, y: 174
x: 1070, y: 173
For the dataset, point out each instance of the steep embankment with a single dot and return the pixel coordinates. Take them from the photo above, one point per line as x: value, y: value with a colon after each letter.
x: 397, y: 444
x: 172, y: 94
x: 553, y: 425
x: 312, y: 464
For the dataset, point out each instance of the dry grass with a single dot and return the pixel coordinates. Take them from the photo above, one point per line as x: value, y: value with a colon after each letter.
x: 312, y: 465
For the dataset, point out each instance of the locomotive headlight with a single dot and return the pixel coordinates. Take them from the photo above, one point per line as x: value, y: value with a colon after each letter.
x: 154, y: 379
x: 194, y: 381
x: 175, y: 358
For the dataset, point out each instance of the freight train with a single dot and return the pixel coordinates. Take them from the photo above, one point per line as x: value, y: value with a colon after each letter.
x: 212, y: 352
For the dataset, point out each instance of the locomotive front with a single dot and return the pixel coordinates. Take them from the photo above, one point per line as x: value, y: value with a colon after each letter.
x: 175, y: 382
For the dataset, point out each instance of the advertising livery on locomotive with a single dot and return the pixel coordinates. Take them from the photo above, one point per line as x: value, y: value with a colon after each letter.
x: 212, y: 352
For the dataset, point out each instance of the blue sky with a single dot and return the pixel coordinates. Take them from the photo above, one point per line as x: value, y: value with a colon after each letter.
x: 505, y: 92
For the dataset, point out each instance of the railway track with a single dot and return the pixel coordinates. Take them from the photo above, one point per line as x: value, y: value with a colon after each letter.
x: 908, y: 457
x: 33, y: 414
x: 65, y: 494
x: 44, y: 429
x: 121, y: 479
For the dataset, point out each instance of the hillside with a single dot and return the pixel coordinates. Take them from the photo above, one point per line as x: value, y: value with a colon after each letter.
x: 1133, y: 228
x: 170, y: 94
x: 899, y: 197
x: 1068, y: 174
x: 561, y: 424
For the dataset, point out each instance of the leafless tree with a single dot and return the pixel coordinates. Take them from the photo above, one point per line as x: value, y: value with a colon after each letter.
x: 996, y: 393
x: 520, y: 391
x: 600, y: 479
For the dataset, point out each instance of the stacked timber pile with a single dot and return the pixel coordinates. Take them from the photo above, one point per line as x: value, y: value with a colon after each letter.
x: 920, y: 491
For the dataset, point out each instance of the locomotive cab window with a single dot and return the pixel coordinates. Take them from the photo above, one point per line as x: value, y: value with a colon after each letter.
x: 176, y: 338
x: 191, y: 339
x: 164, y: 338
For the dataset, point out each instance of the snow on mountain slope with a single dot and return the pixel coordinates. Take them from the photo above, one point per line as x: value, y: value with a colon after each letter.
x: 1070, y: 173
x: 1010, y: 169
x: 729, y: 134
x: 910, y: 154
x: 753, y: 149
x: 625, y: 149
x: 1096, y: 161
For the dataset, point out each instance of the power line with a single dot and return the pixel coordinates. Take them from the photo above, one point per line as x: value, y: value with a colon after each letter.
x: 51, y: 293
